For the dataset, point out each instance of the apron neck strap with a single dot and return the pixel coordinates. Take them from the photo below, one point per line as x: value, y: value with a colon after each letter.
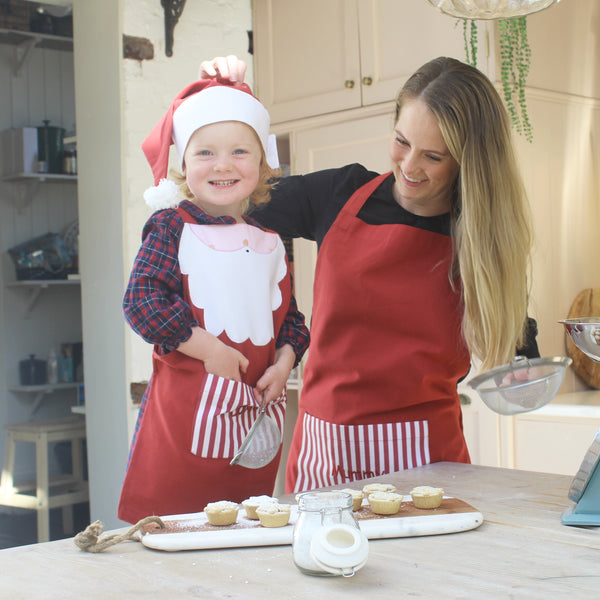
x: 360, y: 196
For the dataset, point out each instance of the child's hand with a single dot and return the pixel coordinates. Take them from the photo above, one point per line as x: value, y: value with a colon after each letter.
x: 228, y: 67
x: 226, y: 361
x: 218, y: 358
x: 275, y: 377
x: 272, y: 383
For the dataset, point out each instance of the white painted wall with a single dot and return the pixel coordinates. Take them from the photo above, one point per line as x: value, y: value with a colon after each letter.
x: 207, y: 28
x: 118, y: 102
x: 98, y: 85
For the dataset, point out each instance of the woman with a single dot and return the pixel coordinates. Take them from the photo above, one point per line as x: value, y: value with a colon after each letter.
x: 418, y: 270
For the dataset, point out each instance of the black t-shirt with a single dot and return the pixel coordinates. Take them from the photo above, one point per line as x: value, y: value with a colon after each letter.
x: 307, y: 205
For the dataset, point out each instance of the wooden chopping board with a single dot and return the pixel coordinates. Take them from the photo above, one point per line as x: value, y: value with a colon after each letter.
x: 193, y: 532
x: 586, y: 304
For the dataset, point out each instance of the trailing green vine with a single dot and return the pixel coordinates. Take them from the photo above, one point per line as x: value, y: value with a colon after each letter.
x: 470, y: 39
x: 515, y: 55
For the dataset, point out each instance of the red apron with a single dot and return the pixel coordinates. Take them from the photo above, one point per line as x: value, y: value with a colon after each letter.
x: 386, y: 352
x: 192, y: 424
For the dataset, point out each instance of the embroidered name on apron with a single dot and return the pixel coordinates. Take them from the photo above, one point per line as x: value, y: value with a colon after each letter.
x: 333, y: 454
x: 224, y: 415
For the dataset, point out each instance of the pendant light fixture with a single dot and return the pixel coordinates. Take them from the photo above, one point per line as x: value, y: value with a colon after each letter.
x: 490, y: 9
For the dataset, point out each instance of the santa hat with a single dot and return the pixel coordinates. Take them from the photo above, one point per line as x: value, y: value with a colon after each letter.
x: 201, y: 103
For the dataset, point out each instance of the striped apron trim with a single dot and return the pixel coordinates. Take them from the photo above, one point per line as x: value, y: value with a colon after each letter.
x: 225, y: 413
x: 333, y: 454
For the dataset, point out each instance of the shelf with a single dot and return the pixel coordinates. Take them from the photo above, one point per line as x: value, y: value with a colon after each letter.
x: 43, y: 390
x: 29, y: 183
x: 41, y: 177
x: 42, y: 40
x: 46, y: 388
x: 42, y: 283
x: 24, y: 41
x: 36, y: 287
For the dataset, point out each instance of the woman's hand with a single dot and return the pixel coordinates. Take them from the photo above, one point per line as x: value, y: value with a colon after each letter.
x: 273, y: 380
x: 228, y: 67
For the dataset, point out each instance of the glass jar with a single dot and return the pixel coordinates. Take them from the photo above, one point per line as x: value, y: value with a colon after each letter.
x: 327, y: 539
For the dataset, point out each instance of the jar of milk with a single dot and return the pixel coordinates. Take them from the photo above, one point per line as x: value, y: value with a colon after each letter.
x: 327, y: 539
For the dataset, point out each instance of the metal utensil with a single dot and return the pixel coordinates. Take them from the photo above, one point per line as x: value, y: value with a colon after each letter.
x: 521, y: 386
x: 585, y: 333
x: 261, y: 444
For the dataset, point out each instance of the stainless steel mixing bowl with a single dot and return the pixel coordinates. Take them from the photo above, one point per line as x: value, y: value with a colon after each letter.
x: 585, y: 333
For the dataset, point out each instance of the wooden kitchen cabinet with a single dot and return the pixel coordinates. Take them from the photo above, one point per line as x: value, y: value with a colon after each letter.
x: 322, y: 56
x: 330, y: 142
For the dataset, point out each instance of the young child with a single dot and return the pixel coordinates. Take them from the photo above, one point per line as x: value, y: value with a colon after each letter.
x: 211, y: 290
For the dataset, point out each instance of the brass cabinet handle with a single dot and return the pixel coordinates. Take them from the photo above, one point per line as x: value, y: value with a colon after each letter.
x: 367, y: 80
x: 349, y: 83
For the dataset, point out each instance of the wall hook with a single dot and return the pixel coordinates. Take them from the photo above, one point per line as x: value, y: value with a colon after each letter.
x: 173, y: 10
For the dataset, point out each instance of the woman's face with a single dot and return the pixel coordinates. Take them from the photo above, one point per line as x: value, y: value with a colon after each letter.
x: 421, y: 162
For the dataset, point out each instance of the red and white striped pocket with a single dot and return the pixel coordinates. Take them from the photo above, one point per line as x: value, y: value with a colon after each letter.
x: 333, y: 454
x: 224, y: 414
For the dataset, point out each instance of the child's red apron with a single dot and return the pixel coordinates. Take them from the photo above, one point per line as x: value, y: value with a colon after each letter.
x: 192, y: 424
x: 386, y: 352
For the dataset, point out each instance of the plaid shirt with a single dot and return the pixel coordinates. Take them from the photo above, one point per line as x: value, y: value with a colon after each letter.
x: 154, y: 304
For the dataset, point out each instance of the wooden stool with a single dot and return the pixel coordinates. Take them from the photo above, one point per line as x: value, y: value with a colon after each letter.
x: 45, y: 493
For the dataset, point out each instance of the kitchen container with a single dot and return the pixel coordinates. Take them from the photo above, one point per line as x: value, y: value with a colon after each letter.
x: 32, y: 371
x: 18, y: 147
x: 585, y: 333
x: 69, y: 165
x: 521, y: 386
x: 327, y: 539
x: 15, y: 15
x: 43, y: 257
x: 50, y: 147
x: 52, y: 370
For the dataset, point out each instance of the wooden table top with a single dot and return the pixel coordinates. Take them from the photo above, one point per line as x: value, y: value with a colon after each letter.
x: 520, y: 551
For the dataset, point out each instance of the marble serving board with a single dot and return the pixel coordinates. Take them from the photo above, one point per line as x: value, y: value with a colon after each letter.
x: 193, y: 532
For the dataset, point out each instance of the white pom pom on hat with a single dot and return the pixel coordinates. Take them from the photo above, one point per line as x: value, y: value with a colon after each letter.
x: 201, y: 103
x: 163, y: 195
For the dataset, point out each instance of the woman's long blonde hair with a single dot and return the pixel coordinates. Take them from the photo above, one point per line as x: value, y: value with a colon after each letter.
x: 490, y: 222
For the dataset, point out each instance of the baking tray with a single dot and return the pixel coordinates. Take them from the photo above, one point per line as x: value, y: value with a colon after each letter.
x: 193, y: 532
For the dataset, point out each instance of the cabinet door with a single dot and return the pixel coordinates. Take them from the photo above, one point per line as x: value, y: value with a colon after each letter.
x: 397, y: 37
x: 363, y: 140
x: 306, y: 56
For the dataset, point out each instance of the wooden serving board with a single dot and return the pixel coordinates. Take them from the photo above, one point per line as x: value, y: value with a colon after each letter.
x: 586, y: 304
x: 193, y: 532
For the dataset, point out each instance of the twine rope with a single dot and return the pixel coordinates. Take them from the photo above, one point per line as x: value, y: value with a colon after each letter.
x: 89, y: 539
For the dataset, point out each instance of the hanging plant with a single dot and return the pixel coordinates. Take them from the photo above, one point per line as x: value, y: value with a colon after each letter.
x: 515, y: 55
x: 470, y: 39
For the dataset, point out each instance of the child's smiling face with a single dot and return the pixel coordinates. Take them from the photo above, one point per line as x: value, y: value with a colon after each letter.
x: 222, y: 166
